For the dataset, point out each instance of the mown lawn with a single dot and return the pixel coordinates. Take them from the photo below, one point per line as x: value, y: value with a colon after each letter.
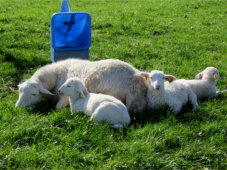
x: 180, y: 37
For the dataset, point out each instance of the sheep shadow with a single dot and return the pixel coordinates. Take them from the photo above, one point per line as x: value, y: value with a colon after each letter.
x: 186, y: 115
x: 44, y: 107
x: 149, y: 116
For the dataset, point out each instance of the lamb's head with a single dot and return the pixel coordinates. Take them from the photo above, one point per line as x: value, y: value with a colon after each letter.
x: 31, y: 92
x: 74, y: 88
x: 156, y: 79
x: 210, y: 74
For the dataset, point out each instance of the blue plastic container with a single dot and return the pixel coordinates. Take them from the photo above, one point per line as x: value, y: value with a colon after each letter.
x: 70, y: 34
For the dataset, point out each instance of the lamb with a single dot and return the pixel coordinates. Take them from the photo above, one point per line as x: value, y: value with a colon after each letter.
x: 205, y: 87
x: 99, y: 106
x: 165, y: 93
x: 111, y: 76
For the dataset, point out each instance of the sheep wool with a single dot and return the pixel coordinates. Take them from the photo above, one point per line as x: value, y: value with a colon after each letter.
x: 111, y: 76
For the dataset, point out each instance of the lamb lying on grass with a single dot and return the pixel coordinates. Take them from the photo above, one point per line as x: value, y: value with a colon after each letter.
x: 165, y: 93
x: 99, y: 106
x: 111, y: 76
x: 206, y: 86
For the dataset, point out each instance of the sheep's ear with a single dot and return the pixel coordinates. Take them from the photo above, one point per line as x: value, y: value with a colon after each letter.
x: 169, y: 78
x: 45, y: 91
x: 199, y: 76
x: 145, y: 75
x: 20, y: 84
x: 82, y: 92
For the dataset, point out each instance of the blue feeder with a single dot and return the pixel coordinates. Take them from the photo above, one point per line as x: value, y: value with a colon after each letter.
x: 70, y: 34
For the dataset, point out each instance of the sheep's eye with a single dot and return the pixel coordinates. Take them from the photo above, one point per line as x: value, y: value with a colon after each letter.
x: 68, y: 86
x: 33, y: 94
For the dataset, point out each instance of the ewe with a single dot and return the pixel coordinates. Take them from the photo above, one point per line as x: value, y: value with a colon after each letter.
x: 44, y: 80
x: 206, y: 86
x: 111, y: 76
x: 165, y: 93
x: 99, y: 106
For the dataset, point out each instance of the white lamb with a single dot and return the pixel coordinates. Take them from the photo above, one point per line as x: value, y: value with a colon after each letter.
x: 206, y: 86
x: 99, y: 106
x: 165, y: 93
x: 111, y: 76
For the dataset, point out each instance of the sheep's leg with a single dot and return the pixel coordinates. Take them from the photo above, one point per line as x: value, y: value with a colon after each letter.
x: 220, y: 92
x: 193, y: 100
x: 63, y: 102
x: 176, y: 107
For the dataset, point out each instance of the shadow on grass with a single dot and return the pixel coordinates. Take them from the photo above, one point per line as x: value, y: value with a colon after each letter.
x: 149, y: 116
x: 187, y: 115
x: 139, y: 120
x: 43, y: 108
x: 21, y: 64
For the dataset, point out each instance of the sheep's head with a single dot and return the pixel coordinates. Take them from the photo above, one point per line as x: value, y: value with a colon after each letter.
x: 210, y: 74
x: 156, y: 79
x: 73, y: 87
x: 31, y: 92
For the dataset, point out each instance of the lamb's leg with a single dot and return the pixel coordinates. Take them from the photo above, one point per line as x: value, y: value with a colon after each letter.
x: 63, y: 102
x: 193, y: 100
x: 220, y: 92
x: 177, y: 109
x: 176, y: 106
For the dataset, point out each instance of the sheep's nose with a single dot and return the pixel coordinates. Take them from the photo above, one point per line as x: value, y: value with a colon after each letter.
x: 157, y: 87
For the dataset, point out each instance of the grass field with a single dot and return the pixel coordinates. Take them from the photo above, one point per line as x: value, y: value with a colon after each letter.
x: 181, y: 37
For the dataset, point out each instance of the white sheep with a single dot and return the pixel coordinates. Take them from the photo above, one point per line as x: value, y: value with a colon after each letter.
x: 205, y: 87
x: 48, y: 78
x: 99, y: 106
x: 165, y: 93
x: 111, y: 76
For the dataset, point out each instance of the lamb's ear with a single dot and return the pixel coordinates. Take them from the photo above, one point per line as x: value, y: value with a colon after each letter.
x: 169, y: 78
x: 20, y: 84
x: 199, y: 76
x: 45, y: 91
x: 82, y: 92
x: 144, y: 74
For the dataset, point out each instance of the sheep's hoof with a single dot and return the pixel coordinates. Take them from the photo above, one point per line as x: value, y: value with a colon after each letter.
x: 196, y: 108
x: 117, y: 126
x: 58, y: 107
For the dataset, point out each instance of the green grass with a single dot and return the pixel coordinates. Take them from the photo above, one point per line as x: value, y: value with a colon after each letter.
x: 180, y: 37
